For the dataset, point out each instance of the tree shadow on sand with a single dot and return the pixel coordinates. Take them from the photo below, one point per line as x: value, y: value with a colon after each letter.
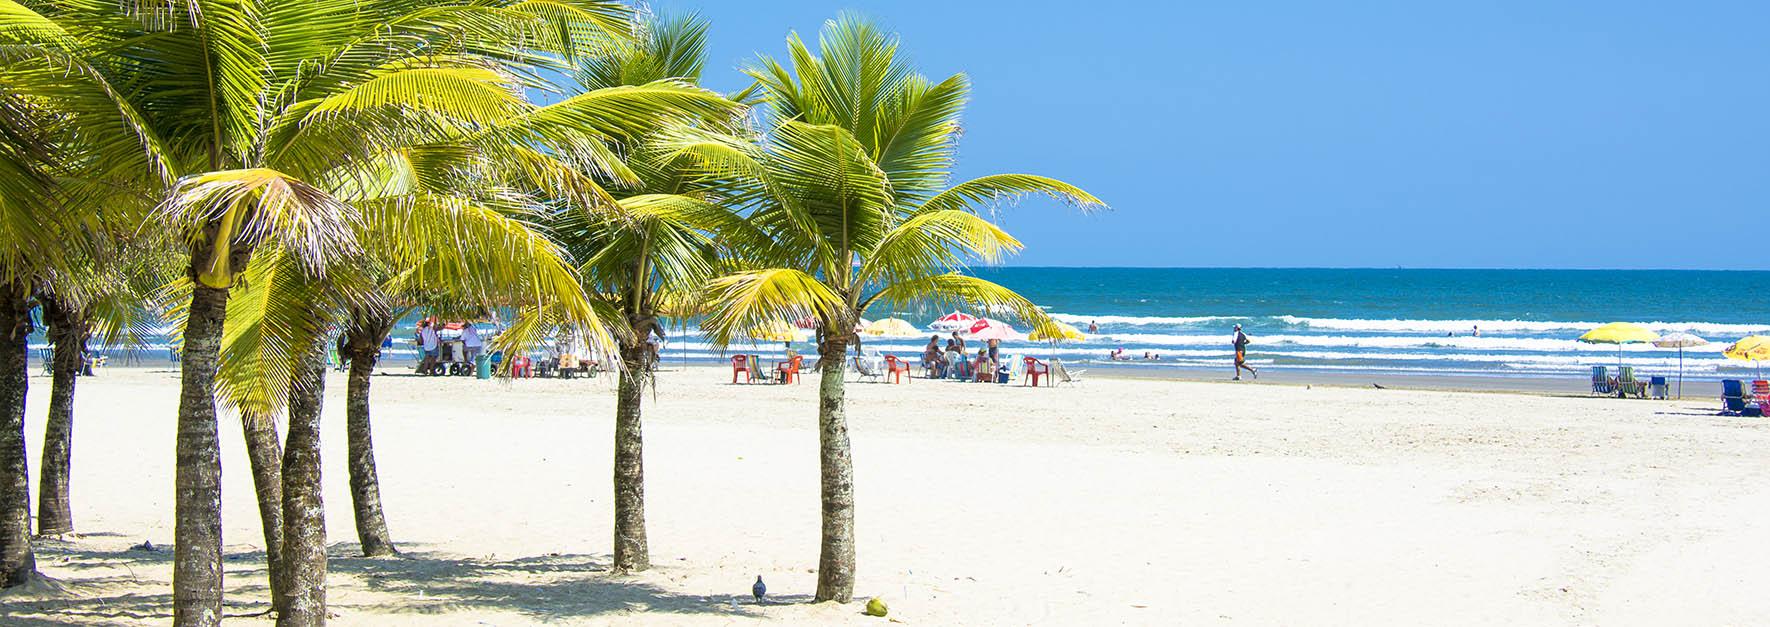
x: 115, y: 586
x: 549, y: 587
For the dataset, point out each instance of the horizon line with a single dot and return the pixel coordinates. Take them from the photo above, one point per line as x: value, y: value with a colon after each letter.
x: 1517, y: 269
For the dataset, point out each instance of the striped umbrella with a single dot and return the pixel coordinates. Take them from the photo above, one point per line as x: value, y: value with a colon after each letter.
x: 1680, y: 341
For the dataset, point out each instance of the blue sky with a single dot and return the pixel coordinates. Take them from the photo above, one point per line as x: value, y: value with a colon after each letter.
x: 1418, y: 134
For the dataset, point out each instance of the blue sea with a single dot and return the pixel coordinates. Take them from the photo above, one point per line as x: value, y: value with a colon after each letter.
x: 1399, y: 321
x: 1376, y: 320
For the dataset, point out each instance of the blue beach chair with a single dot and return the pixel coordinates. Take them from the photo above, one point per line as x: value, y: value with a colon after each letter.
x: 1733, y: 398
x: 1659, y: 387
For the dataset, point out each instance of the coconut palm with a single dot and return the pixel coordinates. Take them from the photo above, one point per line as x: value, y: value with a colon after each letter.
x: 113, y: 302
x: 645, y: 259
x: 69, y: 160
x: 850, y: 182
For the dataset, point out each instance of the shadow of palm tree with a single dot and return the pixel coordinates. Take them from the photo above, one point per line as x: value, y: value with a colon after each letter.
x: 549, y: 587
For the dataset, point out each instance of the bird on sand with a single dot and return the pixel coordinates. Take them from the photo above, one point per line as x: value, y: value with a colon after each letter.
x: 759, y: 589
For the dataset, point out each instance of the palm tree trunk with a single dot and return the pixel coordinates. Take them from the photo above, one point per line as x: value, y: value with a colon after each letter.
x: 68, y: 332
x: 835, y: 562
x: 265, y: 453
x: 18, y: 564
x: 631, y: 552
x: 196, y: 555
x: 303, y: 601
x: 363, y: 343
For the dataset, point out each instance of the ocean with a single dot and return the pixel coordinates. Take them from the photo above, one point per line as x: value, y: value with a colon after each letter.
x: 1395, y: 322
x: 1420, y: 322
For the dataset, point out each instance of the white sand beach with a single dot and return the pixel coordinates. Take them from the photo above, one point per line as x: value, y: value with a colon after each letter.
x: 1113, y: 502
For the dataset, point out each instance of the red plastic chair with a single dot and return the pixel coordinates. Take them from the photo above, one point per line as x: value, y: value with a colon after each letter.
x: 897, y: 369
x: 1034, y: 369
x: 741, y: 364
x: 789, y: 370
x: 522, y: 367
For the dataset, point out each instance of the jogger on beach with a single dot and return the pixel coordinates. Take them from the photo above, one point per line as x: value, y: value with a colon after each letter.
x: 1241, y: 354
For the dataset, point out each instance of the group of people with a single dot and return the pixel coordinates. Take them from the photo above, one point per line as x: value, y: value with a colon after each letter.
x: 955, y: 361
x: 430, y: 344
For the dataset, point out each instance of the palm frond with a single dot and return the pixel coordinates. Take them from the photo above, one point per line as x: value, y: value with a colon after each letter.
x: 936, y: 242
x: 984, y: 193
x: 941, y: 291
x: 760, y: 299
x: 217, y: 211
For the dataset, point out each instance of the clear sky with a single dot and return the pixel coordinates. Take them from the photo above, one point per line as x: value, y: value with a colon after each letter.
x: 1613, y: 134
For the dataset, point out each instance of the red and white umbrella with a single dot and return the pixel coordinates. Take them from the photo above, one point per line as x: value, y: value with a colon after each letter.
x: 807, y: 322
x: 987, y: 329
x: 955, y: 321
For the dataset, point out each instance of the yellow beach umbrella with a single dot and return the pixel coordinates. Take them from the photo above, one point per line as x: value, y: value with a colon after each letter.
x: 775, y: 332
x: 1064, y: 331
x: 892, y: 327
x: 1619, y: 333
x: 1755, y: 348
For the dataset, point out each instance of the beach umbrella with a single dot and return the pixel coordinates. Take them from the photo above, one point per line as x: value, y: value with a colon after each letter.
x: 775, y: 332
x: 1619, y: 333
x: 955, y: 321
x: 989, y: 329
x: 1755, y: 349
x: 1680, y: 341
x: 807, y: 322
x: 1064, y: 331
x: 892, y: 327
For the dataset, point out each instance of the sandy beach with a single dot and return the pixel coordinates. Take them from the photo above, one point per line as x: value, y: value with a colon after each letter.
x: 1118, y: 501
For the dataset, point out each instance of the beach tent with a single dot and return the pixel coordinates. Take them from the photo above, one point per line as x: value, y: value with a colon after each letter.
x: 1680, y: 341
x: 990, y: 329
x: 892, y: 327
x: 1619, y: 333
x: 1755, y: 349
x: 955, y: 321
x: 1064, y: 331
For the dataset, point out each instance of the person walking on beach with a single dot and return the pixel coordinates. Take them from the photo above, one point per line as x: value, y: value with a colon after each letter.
x: 429, y: 343
x: 1241, y: 354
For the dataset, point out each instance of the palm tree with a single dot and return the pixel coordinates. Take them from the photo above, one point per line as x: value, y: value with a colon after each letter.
x: 850, y: 181
x: 643, y: 260
x: 112, y: 301
x: 66, y: 145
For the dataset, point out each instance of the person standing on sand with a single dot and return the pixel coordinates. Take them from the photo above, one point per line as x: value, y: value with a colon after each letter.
x: 470, y: 338
x: 1241, y: 354
x: 429, y: 343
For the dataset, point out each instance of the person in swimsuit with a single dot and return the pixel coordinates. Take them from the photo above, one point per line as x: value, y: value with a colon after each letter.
x: 1241, y: 354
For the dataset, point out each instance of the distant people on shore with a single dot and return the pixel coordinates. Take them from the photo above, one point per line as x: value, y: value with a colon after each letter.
x: 1241, y: 354
x: 1118, y: 354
